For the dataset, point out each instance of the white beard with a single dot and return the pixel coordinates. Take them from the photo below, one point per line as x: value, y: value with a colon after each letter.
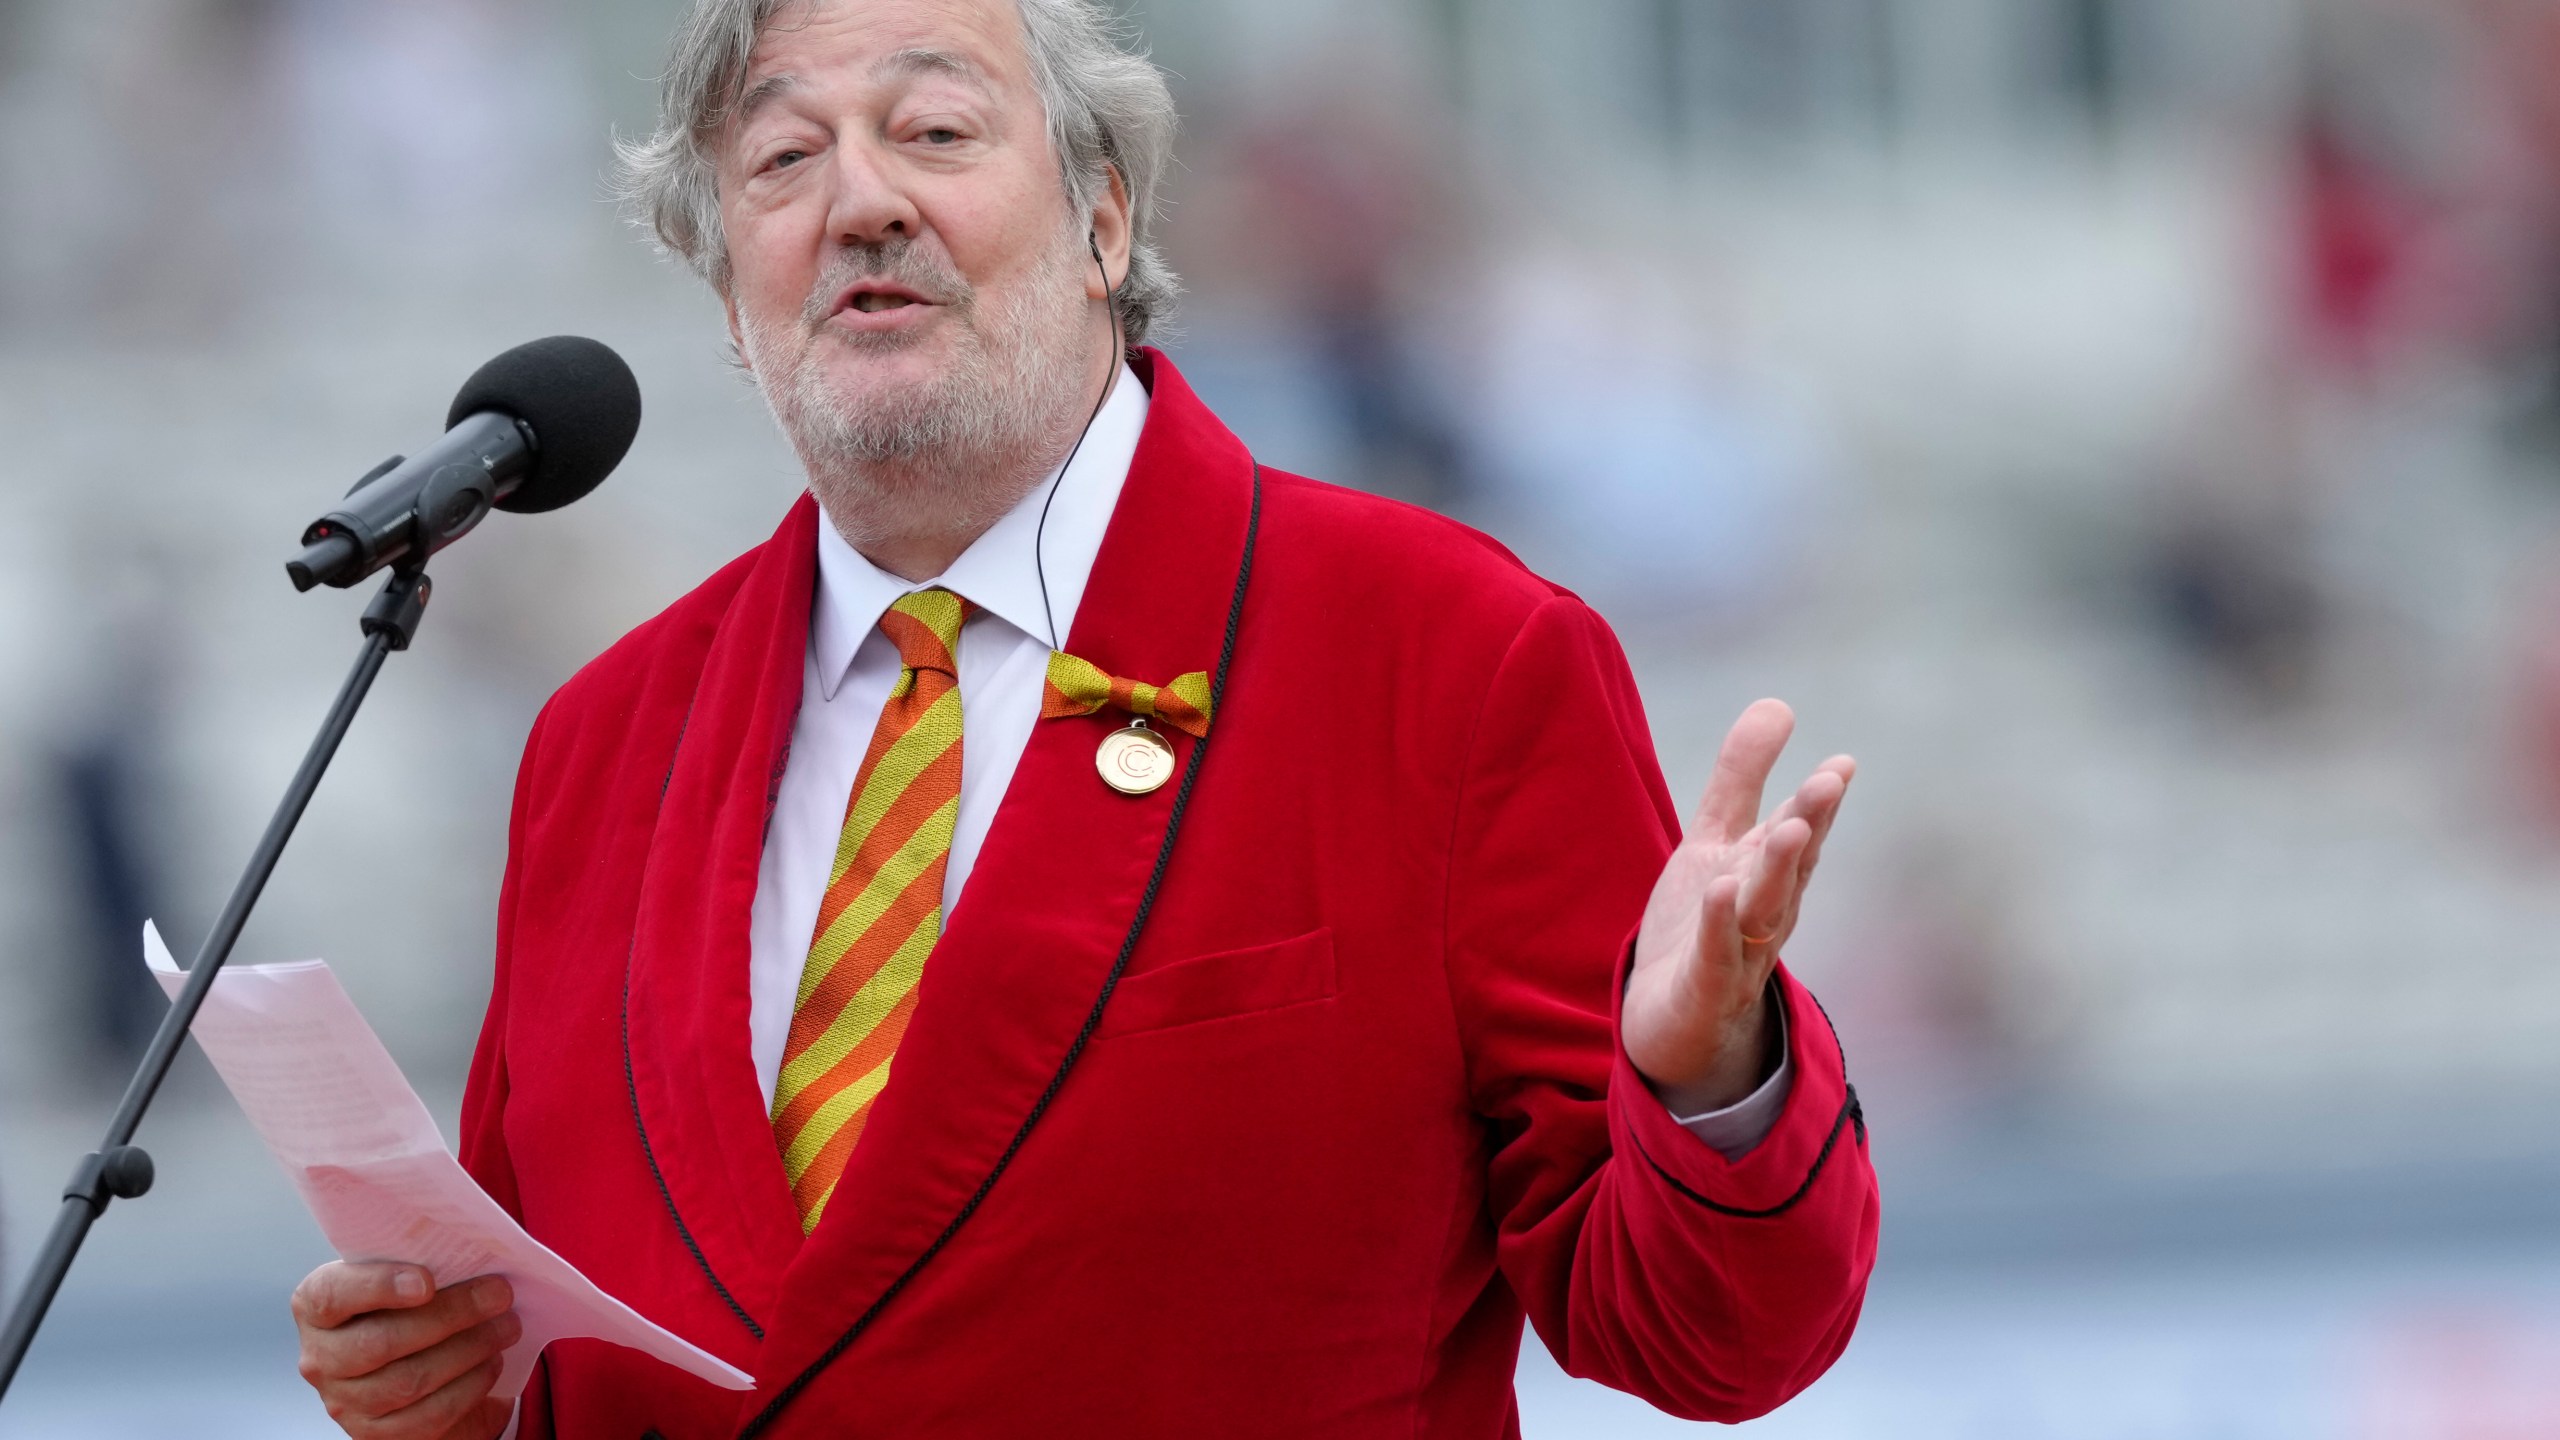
x: 945, y: 457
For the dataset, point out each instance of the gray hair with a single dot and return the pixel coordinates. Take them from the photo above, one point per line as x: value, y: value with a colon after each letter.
x: 1108, y: 106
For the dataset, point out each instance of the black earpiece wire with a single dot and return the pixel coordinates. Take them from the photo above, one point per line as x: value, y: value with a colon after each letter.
x: 1119, y: 357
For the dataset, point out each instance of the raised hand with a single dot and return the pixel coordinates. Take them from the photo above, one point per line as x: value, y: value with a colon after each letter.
x: 394, y: 1358
x: 1695, y: 1020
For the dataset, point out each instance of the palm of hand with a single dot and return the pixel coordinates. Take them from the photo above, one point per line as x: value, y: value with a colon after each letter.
x: 1695, y: 1014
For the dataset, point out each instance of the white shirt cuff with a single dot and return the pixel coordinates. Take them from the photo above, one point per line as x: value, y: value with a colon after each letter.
x: 1737, y: 1129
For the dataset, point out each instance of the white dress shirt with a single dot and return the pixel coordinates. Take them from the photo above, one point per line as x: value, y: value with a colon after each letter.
x: 1004, y: 658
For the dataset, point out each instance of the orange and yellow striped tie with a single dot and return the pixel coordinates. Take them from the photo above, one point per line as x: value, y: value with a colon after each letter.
x: 883, y: 907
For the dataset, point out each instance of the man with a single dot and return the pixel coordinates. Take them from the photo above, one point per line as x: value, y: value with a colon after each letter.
x: 1246, y: 877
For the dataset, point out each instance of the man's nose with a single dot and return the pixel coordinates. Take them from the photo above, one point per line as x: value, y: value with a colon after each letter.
x: 868, y: 207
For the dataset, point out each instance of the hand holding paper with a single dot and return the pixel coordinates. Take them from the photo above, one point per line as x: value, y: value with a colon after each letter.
x: 361, y: 1147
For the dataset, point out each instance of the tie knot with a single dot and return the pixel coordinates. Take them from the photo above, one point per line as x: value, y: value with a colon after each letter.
x: 925, y: 626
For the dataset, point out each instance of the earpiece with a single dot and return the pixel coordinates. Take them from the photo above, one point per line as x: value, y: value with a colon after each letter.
x: 1120, y: 350
x: 1093, y: 242
x: 1111, y: 297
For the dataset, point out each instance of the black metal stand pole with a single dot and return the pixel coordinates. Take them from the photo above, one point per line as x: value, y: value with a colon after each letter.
x: 119, y: 1169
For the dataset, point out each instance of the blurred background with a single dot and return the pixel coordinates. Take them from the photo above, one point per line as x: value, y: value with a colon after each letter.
x: 2132, y: 426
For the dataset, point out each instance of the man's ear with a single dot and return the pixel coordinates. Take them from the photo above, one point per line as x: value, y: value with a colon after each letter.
x: 1112, y: 237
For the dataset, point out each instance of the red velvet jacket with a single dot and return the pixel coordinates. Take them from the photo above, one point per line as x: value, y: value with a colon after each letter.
x: 1351, y: 1107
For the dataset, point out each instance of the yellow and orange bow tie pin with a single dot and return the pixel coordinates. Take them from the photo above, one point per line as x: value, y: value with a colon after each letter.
x: 1134, y: 759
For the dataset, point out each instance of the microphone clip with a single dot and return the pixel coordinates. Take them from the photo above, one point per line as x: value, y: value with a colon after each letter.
x: 401, y: 603
x: 415, y: 506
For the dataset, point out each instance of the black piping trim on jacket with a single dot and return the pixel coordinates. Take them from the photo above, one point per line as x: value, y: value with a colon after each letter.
x: 1851, y: 1113
x: 1849, y: 1110
x: 631, y: 1083
x: 649, y: 1153
x: 1092, y: 1019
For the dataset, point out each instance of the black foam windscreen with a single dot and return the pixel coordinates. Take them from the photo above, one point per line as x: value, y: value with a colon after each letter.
x: 581, y: 402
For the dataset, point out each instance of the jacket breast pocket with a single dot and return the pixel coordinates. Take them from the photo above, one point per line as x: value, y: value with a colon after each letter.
x: 1223, y: 986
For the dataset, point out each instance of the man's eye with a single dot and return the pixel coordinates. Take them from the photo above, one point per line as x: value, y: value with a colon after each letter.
x: 787, y: 159
x: 942, y: 135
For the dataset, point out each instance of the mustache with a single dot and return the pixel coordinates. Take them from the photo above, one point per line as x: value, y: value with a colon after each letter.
x: 895, y: 262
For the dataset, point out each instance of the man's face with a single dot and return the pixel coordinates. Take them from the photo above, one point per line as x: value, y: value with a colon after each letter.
x: 902, y: 250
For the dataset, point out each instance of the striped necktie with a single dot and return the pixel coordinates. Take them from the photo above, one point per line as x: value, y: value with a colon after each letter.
x: 883, y: 906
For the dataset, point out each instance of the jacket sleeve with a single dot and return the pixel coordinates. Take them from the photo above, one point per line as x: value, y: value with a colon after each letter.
x: 484, y: 1095
x: 1715, y: 1289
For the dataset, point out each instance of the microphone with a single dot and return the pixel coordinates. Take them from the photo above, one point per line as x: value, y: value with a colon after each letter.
x: 532, y: 430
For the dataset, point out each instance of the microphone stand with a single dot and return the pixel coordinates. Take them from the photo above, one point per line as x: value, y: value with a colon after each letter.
x: 119, y: 1169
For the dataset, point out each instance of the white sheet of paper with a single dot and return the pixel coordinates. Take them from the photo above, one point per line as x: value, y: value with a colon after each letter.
x: 361, y: 1147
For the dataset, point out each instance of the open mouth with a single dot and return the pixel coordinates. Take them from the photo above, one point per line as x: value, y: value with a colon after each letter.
x: 878, y: 297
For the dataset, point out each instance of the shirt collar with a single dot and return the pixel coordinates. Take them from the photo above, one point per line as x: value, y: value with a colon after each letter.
x: 1002, y: 570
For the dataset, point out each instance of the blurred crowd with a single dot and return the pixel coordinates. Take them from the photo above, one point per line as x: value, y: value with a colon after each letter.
x: 2133, y: 426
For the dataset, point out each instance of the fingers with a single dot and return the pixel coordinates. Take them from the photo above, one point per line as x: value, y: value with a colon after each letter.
x: 454, y: 1409
x: 1845, y: 770
x: 1814, y: 801
x: 1776, y: 857
x: 1769, y: 893
x: 1717, y: 936
x: 409, y: 1370
x: 1732, y: 804
x: 338, y: 1292
x: 364, y: 1343
x: 416, y: 1379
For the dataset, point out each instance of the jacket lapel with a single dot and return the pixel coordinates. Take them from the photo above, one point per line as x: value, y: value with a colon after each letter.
x: 692, y: 1070
x: 1011, y: 983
